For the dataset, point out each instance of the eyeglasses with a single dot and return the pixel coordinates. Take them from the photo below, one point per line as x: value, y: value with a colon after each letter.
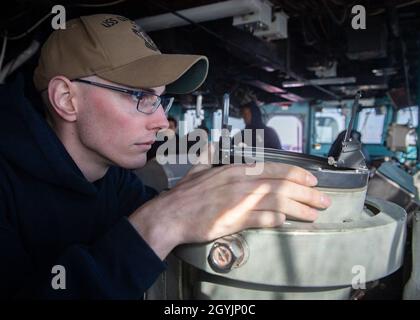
x: 146, y: 102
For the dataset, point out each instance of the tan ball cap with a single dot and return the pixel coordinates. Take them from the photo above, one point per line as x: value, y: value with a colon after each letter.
x: 118, y: 50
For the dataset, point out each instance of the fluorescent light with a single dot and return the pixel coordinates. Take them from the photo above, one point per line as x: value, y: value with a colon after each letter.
x: 293, y: 84
x: 318, y: 82
x: 327, y: 81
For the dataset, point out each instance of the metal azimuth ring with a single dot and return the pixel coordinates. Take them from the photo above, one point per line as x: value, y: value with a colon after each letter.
x: 328, y: 175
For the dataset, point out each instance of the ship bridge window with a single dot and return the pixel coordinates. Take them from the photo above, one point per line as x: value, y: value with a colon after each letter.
x: 328, y: 124
x: 289, y: 128
x: 408, y: 116
x: 371, y: 124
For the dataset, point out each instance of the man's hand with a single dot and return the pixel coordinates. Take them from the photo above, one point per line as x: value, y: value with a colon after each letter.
x: 212, y: 202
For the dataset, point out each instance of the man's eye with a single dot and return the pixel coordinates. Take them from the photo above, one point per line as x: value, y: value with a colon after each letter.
x: 134, y: 97
x: 150, y: 98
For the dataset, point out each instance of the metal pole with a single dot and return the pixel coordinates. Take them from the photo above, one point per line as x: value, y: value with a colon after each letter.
x: 418, y: 113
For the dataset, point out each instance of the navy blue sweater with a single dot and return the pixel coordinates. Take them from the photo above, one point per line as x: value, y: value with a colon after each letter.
x: 51, y: 215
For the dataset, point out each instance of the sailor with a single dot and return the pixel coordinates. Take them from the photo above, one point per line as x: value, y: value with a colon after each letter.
x: 75, y: 222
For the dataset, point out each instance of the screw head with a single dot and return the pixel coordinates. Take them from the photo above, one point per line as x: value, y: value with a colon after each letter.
x: 228, y: 253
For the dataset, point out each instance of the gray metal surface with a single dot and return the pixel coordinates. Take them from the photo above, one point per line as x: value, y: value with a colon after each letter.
x: 402, y: 178
x: 346, y: 205
x: 381, y: 186
x: 412, y: 288
x: 297, y: 261
x: 213, y: 291
x: 316, y: 255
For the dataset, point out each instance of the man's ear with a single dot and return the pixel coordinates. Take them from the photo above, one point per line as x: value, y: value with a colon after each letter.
x: 61, y: 93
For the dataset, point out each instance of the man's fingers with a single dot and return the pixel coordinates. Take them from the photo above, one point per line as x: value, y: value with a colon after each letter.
x: 232, y: 173
x: 272, y: 170
x: 278, y: 190
x: 205, y: 160
x: 264, y: 219
x: 298, y: 211
x: 198, y: 168
x: 303, y: 194
x: 289, y: 207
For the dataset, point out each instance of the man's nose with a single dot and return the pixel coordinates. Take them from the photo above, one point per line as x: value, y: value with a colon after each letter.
x: 158, y: 120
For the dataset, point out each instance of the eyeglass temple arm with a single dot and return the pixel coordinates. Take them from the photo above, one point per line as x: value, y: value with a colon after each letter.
x: 171, y: 101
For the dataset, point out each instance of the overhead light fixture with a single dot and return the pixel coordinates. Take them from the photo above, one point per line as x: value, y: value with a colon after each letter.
x: 294, y: 84
x: 257, y: 21
x: 214, y: 11
x: 384, y: 72
x: 268, y: 68
x: 277, y: 29
x: 319, y: 82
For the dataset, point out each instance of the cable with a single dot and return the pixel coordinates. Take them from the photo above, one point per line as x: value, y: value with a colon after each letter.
x: 379, y: 11
x: 337, y: 21
x: 323, y: 28
x: 362, y: 129
x: 305, y: 35
x: 19, y: 60
x: 83, y: 5
x: 405, y: 68
x: 292, y: 5
x: 401, y: 5
x: 20, y: 36
x: 17, y: 16
x: 338, y: 3
x: 406, y: 4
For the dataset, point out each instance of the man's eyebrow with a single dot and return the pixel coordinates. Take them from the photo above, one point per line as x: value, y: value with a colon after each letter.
x: 152, y: 91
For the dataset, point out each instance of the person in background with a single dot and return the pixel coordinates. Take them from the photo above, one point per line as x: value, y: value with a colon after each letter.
x: 251, y: 114
x: 173, y: 124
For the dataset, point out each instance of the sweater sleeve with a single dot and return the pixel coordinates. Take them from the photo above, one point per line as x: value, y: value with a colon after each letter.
x: 132, y: 193
x: 119, y: 265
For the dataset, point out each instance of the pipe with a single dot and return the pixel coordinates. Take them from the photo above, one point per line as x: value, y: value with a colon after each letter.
x: 319, y: 82
x: 209, y: 12
x: 418, y: 113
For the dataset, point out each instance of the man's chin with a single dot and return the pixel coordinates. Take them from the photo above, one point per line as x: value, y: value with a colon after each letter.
x: 131, y: 164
